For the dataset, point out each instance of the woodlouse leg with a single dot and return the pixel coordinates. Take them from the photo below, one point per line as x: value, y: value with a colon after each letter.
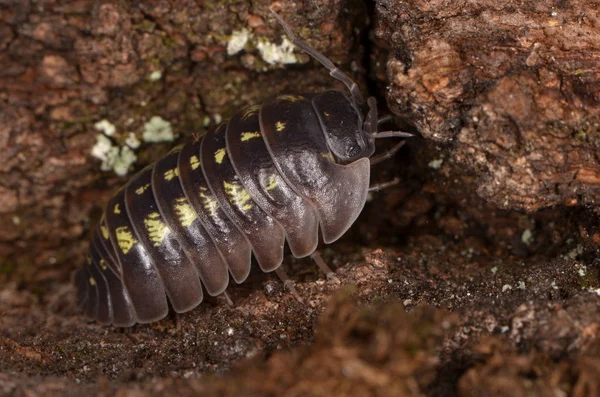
x: 371, y: 122
x: 289, y: 284
x: 393, y: 134
x: 228, y: 299
x: 324, y: 268
x: 385, y: 119
x: 386, y: 155
x: 333, y: 70
x: 383, y: 185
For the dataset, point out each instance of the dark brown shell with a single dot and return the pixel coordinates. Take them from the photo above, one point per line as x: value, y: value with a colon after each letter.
x: 265, y: 177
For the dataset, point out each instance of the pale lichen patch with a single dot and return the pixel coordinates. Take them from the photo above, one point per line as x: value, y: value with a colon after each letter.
x: 122, y: 162
x: 158, y: 130
x: 102, y: 147
x: 436, y: 164
x: 115, y: 158
x: 527, y: 237
x: 132, y: 141
x: 273, y: 53
x: 106, y: 127
x: 238, y: 41
x: 155, y: 76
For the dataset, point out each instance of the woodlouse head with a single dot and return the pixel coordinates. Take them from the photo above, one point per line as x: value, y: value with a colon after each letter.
x: 343, y: 126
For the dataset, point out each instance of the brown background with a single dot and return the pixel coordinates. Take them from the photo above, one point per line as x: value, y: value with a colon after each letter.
x: 477, y: 275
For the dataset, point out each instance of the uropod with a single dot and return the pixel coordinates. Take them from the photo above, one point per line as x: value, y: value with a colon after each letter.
x: 274, y: 173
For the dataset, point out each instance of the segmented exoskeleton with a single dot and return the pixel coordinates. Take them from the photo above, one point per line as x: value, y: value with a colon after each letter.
x: 272, y: 174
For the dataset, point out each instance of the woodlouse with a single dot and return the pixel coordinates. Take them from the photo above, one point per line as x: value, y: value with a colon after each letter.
x: 271, y: 174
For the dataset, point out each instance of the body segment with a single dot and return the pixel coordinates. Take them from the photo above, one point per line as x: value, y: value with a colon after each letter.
x: 263, y: 234
x: 257, y: 173
x: 184, y: 223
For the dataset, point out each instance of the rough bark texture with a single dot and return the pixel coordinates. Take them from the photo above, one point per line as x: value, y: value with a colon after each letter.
x: 65, y: 66
x: 513, y: 86
x: 443, y: 293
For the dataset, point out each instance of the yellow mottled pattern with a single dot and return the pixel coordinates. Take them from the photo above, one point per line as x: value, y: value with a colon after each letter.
x: 194, y: 162
x: 92, y: 282
x: 290, y: 98
x: 238, y: 196
x: 104, y: 232
x: 116, y: 209
x: 170, y: 174
x: 271, y: 184
x: 185, y: 213
x: 157, y: 230
x: 250, y: 111
x: 220, y: 155
x: 209, y: 203
x: 102, y: 264
x: 142, y: 189
x: 246, y: 136
x: 280, y: 126
x: 326, y: 114
x: 125, y: 239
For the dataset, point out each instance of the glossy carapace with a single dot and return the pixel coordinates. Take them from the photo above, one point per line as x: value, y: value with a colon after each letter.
x: 272, y: 174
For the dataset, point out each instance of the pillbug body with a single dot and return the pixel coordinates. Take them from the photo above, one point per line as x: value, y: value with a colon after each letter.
x: 272, y: 174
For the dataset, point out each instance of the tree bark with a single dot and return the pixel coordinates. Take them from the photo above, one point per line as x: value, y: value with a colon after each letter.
x: 65, y: 66
x: 513, y: 87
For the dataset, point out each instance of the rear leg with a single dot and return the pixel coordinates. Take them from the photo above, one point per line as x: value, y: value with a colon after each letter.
x: 386, y: 155
x: 228, y: 299
x: 288, y: 283
x: 384, y: 185
x: 324, y: 268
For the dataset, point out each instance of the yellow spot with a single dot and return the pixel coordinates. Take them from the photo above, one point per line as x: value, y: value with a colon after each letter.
x: 209, y: 203
x: 194, y: 162
x: 185, y: 213
x: 219, y: 155
x: 102, y: 264
x: 328, y: 156
x: 170, y: 174
x: 271, y: 184
x: 142, y: 189
x: 88, y: 260
x: 117, y: 210
x: 157, y: 230
x: 104, y: 232
x: 279, y: 126
x: 238, y: 196
x: 246, y: 136
x: 92, y: 282
x: 125, y: 239
x: 326, y: 114
x: 290, y: 98
x: 250, y: 111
